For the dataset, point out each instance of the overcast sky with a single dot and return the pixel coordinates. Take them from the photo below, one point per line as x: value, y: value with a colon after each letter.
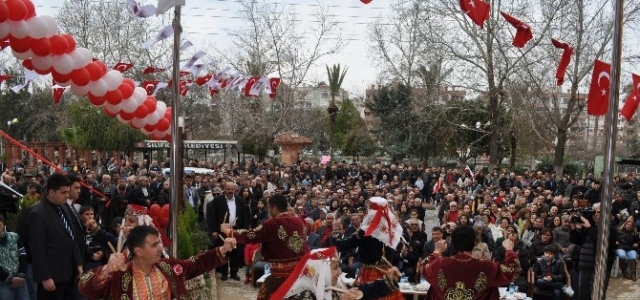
x: 207, y: 21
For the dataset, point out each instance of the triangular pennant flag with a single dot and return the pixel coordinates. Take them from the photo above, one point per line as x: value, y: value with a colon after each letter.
x: 523, y: 31
x: 188, y: 64
x: 166, y: 32
x: 123, y: 67
x: 258, y: 86
x: 159, y: 87
x: 150, y: 70
x: 564, y: 60
x: 150, y: 86
x: 598, y: 101
x: 165, y: 5
x: 141, y: 12
x: 184, y: 87
x: 196, y: 69
x: 203, y: 79
x: 213, y: 91
x: 631, y: 104
x: 186, y: 45
x: 249, y: 84
x: 57, y: 93
x: 477, y: 10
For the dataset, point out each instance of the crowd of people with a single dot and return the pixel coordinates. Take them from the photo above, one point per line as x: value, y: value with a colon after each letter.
x: 550, y: 222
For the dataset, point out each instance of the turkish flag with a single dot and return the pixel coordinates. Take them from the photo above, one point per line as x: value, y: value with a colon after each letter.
x: 598, y: 101
x: 213, y: 91
x: 477, y: 10
x: 57, y: 94
x: 203, y: 79
x: 150, y: 70
x: 123, y: 67
x: 564, y: 60
x: 366, y: 1
x: 185, y: 73
x: 523, y: 31
x: 250, y: 82
x: 631, y: 104
x: 5, y: 77
x: 149, y: 86
x: 183, y: 86
x: 273, y: 86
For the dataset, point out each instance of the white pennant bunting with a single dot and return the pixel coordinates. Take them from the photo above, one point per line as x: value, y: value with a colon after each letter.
x: 166, y: 32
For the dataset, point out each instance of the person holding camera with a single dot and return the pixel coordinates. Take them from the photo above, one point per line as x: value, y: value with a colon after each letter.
x: 585, y: 233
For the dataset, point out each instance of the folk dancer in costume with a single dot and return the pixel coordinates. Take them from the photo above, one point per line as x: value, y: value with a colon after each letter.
x: 378, y: 238
x: 283, y: 238
x: 148, y: 275
x: 316, y: 278
x: 464, y: 277
x: 137, y: 215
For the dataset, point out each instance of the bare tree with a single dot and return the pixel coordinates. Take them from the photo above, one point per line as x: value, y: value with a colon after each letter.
x: 588, y: 27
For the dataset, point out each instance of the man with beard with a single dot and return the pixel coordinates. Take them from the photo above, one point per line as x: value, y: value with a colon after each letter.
x: 283, y: 238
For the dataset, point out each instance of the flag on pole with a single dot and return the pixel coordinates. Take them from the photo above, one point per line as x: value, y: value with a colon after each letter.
x: 631, y: 105
x: 165, y: 5
x: 477, y: 10
x: 166, y: 32
x: 598, y: 100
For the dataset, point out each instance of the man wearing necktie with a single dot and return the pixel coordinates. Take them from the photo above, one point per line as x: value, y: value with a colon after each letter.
x: 232, y: 209
x: 54, y: 242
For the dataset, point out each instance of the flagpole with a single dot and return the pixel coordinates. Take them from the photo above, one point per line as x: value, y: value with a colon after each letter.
x: 176, y: 136
x: 600, y: 281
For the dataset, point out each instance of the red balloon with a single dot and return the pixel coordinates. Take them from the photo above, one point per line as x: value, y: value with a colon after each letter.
x: 163, y: 124
x: 43, y: 72
x: 97, y: 100
x: 103, y: 66
x: 61, y: 78
x: 71, y: 42
x: 31, y: 9
x: 154, y: 210
x: 59, y: 45
x: 107, y: 113
x: 80, y: 77
x: 41, y: 47
x: 141, y: 112
x: 150, y: 103
x: 150, y: 128
x: 17, y: 11
x: 20, y: 45
x: 129, y: 82
x: 114, y: 97
x: 167, y: 138
x: 95, y: 72
x: 27, y: 64
x: 4, y: 11
x: 126, y: 116
x: 126, y: 91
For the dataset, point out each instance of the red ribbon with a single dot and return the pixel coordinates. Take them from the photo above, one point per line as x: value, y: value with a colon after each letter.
x: 381, y: 211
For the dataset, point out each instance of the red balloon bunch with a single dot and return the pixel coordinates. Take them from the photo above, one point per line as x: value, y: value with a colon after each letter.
x: 36, y: 41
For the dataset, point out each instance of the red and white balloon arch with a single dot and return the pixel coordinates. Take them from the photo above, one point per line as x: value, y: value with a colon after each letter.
x: 35, y: 40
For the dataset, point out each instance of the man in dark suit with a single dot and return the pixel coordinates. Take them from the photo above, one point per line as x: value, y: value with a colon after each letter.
x: 53, y: 243
x: 236, y: 212
x: 190, y: 193
x: 142, y: 194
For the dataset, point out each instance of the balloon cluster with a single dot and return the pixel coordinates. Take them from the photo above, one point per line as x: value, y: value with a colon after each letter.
x: 160, y: 215
x: 36, y: 41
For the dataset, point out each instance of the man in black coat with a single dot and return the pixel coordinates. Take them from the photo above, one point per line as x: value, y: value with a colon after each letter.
x: 54, y: 242
x: 232, y: 209
x: 142, y: 194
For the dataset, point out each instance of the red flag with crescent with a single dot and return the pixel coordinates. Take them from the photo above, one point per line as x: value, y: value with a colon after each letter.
x: 598, y: 101
x: 149, y: 86
x: 631, y: 104
x: 273, y: 86
x: 123, y: 67
x: 477, y: 10
x: 150, y: 70
x: 250, y: 82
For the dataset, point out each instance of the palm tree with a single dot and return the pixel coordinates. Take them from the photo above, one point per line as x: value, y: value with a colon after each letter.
x: 335, y: 82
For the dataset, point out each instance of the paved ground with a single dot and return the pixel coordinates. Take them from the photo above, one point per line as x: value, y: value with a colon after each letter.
x: 623, y: 289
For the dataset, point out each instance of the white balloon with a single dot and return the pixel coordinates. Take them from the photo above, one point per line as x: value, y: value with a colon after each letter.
x: 144, y: 131
x: 128, y: 105
x: 42, y: 62
x: 52, y: 25
x: 161, y: 107
x: 22, y: 55
x: 4, y: 30
x: 63, y: 64
x: 123, y: 121
x: 79, y: 90
x: 78, y: 59
x: 38, y: 27
x: 98, y: 87
x: 138, y: 123
x: 113, y: 79
x: 113, y: 109
x: 19, y: 29
x: 86, y: 54
x: 152, y: 118
x: 139, y: 94
x: 159, y: 134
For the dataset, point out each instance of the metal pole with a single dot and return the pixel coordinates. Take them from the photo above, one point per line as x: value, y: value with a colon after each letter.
x: 611, y: 128
x: 176, y: 136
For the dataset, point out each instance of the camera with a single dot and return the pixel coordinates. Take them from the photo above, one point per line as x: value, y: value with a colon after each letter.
x: 587, y: 213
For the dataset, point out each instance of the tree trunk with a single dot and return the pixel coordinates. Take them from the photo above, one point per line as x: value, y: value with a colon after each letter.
x: 494, y: 143
x: 559, y: 149
x: 514, y: 145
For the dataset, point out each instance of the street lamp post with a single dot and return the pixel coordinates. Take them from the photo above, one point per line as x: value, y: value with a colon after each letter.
x: 9, y: 123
